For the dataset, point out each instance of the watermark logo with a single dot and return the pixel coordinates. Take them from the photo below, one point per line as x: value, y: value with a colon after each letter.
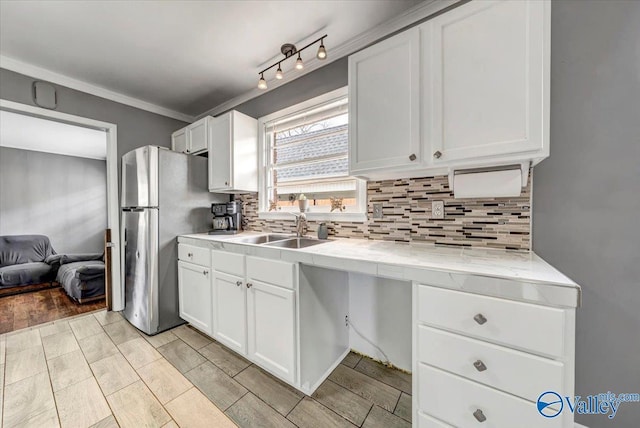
x: 550, y: 404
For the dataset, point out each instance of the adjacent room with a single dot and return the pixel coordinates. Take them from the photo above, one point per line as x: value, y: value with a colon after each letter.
x: 53, y: 211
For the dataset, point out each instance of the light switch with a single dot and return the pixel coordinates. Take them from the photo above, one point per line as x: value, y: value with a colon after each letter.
x: 377, y: 210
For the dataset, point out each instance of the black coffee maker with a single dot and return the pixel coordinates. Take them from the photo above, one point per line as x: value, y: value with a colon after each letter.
x: 227, y: 218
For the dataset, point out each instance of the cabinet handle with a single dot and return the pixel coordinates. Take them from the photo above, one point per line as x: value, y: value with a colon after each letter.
x: 437, y: 154
x: 226, y: 183
x: 412, y: 157
x: 205, y: 272
x: 249, y: 285
x: 480, y: 417
x: 238, y: 283
x: 479, y: 365
x: 480, y: 319
x: 189, y: 255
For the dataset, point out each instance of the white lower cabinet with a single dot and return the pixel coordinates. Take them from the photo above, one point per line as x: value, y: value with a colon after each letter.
x: 272, y: 328
x: 254, y: 314
x: 484, y: 361
x: 194, y: 294
x: 229, y: 311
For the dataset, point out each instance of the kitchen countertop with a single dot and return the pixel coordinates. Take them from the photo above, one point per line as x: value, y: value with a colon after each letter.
x: 516, y: 275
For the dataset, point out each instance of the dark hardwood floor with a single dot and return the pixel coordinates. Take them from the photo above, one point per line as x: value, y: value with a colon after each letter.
x: 38, y: 307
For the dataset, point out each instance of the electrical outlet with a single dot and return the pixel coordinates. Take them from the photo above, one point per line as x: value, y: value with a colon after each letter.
x: 377, y: 210
x: 437, y: 209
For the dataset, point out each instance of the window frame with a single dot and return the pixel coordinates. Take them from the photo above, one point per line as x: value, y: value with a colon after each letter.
x: 360, y: 215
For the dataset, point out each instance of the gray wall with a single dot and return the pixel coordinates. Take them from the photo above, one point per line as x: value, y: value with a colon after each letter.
x: 586, y: 195
x: 63, y: 197
x: 318, y: 82
x: 136, y: 127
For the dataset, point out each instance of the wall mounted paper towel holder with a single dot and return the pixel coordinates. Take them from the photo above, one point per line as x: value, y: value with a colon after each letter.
x: 481, y: 174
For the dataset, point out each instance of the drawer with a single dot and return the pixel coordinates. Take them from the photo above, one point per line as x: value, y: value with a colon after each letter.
x: 522, y: 325
x: 192, y: 254
x: 271, y: 271
x: 226, y: 262
x: 426, y: 421
x: 454, y: 400
x: 519, y: 373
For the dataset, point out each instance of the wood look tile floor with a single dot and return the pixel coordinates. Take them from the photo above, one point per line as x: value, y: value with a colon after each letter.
x: 39, y: 307
x: 95, y: 370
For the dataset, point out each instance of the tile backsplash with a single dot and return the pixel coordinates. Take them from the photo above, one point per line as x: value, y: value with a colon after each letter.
x: 491, y: 223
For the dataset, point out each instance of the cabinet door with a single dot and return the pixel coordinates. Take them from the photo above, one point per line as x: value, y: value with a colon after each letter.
x: 230, y: 311
x: 194, y: 293
x: 488, y: 79
x: 197, y: 136
x: 384, y: 102
x: 179, y: 141
x: 220, y: 172
x: 271, y: 329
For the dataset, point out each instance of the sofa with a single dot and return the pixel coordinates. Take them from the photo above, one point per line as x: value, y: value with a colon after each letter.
x: 82, y: 276
x: 30, y: 259
x: 25, y: 260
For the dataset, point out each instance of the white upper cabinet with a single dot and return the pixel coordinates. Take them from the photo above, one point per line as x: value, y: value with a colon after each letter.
x: 468, y: 88
x: 233, y: 153
x: 487, y: 81
x: 192, y: 139
x: 384, y: 106
x: 179, y: 141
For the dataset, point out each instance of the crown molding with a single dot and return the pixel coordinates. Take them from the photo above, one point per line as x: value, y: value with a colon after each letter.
x: 361, y: 41
x: 79, y: 85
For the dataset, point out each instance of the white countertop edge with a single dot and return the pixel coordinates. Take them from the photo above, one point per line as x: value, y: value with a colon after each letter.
x: 312, y: 255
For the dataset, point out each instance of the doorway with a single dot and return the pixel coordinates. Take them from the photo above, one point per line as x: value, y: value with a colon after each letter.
x: 111, y: 166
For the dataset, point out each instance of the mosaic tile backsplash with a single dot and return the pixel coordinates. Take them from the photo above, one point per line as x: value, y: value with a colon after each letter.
x: 494, y: 223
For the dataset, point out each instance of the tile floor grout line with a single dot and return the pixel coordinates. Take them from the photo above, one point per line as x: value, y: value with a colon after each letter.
x: 55, y: 402
x: 232, y: 404
x: 397, y: 402
x: 368, y: 413
x: 296, y: 405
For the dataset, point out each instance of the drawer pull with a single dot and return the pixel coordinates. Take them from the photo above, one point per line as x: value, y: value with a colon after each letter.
x: 189, y: 255
x: 479, y: 365
x: 412, y: 157
x: 480, y: 417
x: 249, y: 285
x: 480, y: 319
x: 238, y: 283
x: 205, y: 272
x: 437, y: 154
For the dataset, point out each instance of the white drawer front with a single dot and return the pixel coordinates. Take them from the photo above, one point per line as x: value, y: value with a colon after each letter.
x: 426, y: 421
x: 271, y: 271
x: 454, y: 400
x: 226, y: 262
x: 523, y: 325
x: 519, y: 373
x: 193, y: 254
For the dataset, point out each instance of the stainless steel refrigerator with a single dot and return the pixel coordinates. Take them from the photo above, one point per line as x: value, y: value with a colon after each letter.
x: 164, y: 194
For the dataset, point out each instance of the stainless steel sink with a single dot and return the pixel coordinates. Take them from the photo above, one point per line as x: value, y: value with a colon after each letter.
x: 296, y: 243
x: 263, y: 239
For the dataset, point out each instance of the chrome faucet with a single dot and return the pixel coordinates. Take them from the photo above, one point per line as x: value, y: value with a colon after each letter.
x: 301, y: 224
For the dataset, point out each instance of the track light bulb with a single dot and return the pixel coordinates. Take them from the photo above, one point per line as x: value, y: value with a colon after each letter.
x: 322, y: 52
x: 279, y: 74
x: 262, y: 84
x: 299, y: 63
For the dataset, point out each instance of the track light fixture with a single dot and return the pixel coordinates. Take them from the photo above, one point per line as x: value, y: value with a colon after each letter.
x: 262, y: 84
x: 289, y: 50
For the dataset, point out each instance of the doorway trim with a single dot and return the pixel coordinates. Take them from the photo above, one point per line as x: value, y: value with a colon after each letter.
x: 113, y: 208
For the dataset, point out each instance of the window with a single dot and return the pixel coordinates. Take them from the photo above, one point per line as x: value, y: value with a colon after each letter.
x: 305, y: 152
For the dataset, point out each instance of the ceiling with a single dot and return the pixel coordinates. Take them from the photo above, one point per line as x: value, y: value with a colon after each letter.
x: 186, y: 56
x: 41, y: 135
